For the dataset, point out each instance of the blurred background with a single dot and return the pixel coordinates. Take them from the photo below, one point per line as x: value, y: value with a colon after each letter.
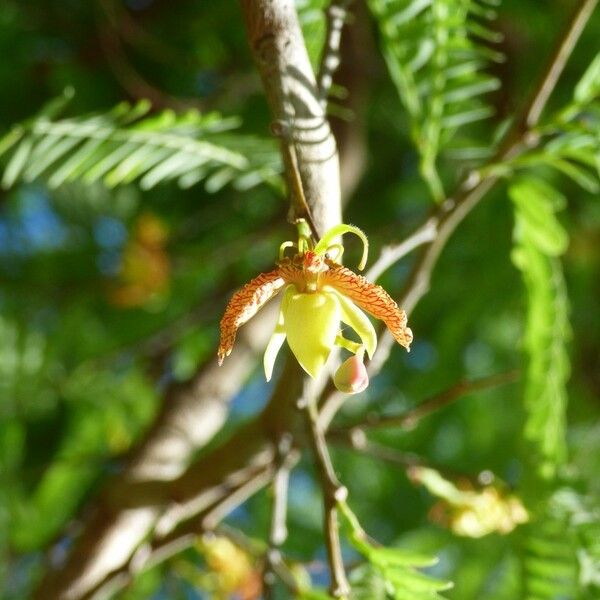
x: 110, y: 290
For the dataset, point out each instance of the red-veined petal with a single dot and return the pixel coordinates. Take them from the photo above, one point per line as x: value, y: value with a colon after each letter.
x: 371, y: 298
x: 244, y: 305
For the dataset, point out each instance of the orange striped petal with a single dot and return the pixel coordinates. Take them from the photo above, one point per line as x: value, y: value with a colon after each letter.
x: 371, y: 298
x: 244, y: 305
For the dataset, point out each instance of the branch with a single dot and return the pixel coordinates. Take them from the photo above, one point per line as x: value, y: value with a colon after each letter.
x: 390, y: 255
x: 333, y: 492
x: 281, y: 58
x: 475, y: 186
x: 411, y: 418
x: 356, y: 440
x: 560, y: 56
x: 286, y: 459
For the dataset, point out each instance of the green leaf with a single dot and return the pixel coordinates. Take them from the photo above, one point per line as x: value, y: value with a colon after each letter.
x: 588, y: 88
x: 124, y: 145
x: 539, y: 240
x: 396, y: 568
x: 435, y: 57
x: 561, y: 550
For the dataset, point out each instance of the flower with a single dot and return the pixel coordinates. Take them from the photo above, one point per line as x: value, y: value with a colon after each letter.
x: 469, y: 511
x: 318, y: 294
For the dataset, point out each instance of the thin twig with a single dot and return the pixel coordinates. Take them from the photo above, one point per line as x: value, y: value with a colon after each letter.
x: 286, y: 458
x: 559, y: 59
x: 299, y: 208
x: 357, y: 440
x: 392, y: 254
x: 410, y: 418
x: 333, y: 492
x: 336, y: 12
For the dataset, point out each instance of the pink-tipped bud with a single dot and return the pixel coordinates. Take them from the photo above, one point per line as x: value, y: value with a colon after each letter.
x: 352, y: 376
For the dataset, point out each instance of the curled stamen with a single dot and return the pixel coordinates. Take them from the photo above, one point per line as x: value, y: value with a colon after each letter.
x: 327, y: 239
x: 283, y: 248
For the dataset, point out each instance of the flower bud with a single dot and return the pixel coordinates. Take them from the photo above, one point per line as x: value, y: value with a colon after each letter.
x: 352, y: 376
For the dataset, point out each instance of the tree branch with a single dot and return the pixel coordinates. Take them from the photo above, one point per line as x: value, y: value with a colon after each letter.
x: 286, y: 459
x: 558, y: 61
x: 280, y: 55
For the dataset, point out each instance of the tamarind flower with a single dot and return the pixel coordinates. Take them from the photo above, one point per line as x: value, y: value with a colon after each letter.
x: 318, y: 294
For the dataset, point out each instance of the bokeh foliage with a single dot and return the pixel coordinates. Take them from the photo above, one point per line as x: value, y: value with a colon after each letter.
x: 88, y: 342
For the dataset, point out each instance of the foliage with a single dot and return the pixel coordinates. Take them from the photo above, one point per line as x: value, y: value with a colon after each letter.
x: 127, y: 144
x: 436, y: 52
x: 540, y: 240
x: 393, y: 573
x: 561, y: 548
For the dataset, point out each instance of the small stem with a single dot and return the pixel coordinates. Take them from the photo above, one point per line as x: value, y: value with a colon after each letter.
x: 333, y: 492
x: 558, y: 60
x: 357, y: 440
x: 392, y: 254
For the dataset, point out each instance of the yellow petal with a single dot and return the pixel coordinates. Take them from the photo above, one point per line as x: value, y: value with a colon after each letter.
x: 278, y: 336
x: 311, y: 324
x: 356, y: 318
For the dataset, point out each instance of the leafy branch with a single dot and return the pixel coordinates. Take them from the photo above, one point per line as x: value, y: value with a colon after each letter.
x: 396, y: 567
x: 540, y: 240
x: 436, y: 54
x: 128, y: 144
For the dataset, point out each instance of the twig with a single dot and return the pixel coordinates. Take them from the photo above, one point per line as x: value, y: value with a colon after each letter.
x: 560, y: 56
x: 330, y: 59
x: 333, y: 492
x: 286, y: 458
x: 410, y: 418
x: 392, y: 254
x: 127, y: 75
x: 357, y: 440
